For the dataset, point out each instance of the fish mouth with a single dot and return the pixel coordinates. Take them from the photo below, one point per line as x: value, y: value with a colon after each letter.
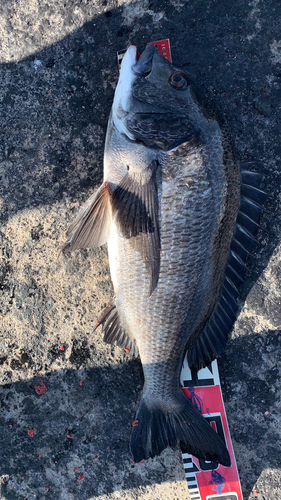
x: 143, y: 65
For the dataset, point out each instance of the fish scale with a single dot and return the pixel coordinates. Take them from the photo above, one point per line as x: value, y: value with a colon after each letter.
x: 178, y: 228
x: 163, y: 312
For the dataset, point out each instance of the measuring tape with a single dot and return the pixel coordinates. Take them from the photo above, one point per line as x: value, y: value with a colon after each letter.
x: 209, y: 480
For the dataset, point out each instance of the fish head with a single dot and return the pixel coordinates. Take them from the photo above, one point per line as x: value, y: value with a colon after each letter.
x: 159, y: 72
x: 153, y: 100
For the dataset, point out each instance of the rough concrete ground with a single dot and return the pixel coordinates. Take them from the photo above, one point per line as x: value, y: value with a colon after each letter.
x: 58, y: 74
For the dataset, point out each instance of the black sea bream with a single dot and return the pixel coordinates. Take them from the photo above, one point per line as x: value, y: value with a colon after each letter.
x: 178, y: 233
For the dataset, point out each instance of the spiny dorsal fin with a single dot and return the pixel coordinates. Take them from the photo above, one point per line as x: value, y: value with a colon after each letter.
x: 135, y: 203
x: 113, y: 329
x: 211, y: 342
x: 91, y: 226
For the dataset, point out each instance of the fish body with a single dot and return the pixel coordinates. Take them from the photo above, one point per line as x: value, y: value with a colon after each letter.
x: 168, y: 210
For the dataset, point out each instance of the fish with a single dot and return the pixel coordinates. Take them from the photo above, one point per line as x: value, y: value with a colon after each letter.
x: 179, y: 219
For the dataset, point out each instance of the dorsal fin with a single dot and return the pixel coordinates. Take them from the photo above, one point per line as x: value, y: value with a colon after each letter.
x: 113, y: 329
x: 211, y: 342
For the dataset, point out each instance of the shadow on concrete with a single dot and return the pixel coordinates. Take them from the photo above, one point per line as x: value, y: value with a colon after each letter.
x: 84, y: 427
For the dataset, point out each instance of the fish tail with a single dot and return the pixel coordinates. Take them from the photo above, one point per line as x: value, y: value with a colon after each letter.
x: 156, y: 427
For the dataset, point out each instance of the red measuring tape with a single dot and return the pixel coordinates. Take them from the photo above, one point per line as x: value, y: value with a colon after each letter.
x: 163, y: 47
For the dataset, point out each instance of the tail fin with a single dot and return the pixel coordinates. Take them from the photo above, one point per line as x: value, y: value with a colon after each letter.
x: 156, y: 428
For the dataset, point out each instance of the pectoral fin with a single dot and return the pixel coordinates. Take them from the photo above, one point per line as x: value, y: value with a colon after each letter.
x: 135, y: 203
x: 92, y: 225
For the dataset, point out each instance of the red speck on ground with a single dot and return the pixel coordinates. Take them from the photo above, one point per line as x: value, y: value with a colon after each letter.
x: 69, y: 436
x: 62, y: 347
x: 255, y: 493
x: 126, y: 349
x: 135, y: 423
x: 47, y: 489
x: 30, y: 432
x: 143, y: 463
x: 40, y: 388
x: 80, y: 477
x: 97, y: 322
x: 10, y: 425
x: 75, y: 468
x: 81, y: 382
x: 39, y: 456
x: 5, y: 362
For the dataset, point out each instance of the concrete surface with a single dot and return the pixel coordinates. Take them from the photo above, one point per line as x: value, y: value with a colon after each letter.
x: 58, y: 73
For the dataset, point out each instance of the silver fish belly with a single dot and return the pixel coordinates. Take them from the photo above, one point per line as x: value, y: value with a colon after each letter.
x: 168, y: 210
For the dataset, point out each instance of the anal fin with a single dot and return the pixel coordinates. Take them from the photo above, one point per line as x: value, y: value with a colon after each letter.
x: 113, y: 329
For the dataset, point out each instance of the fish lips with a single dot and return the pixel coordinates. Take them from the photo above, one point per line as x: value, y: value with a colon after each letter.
x: 152, y: 65
x: 143, y: 65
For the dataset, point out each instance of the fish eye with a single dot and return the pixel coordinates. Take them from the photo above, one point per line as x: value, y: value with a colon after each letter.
x: 178, y: 80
